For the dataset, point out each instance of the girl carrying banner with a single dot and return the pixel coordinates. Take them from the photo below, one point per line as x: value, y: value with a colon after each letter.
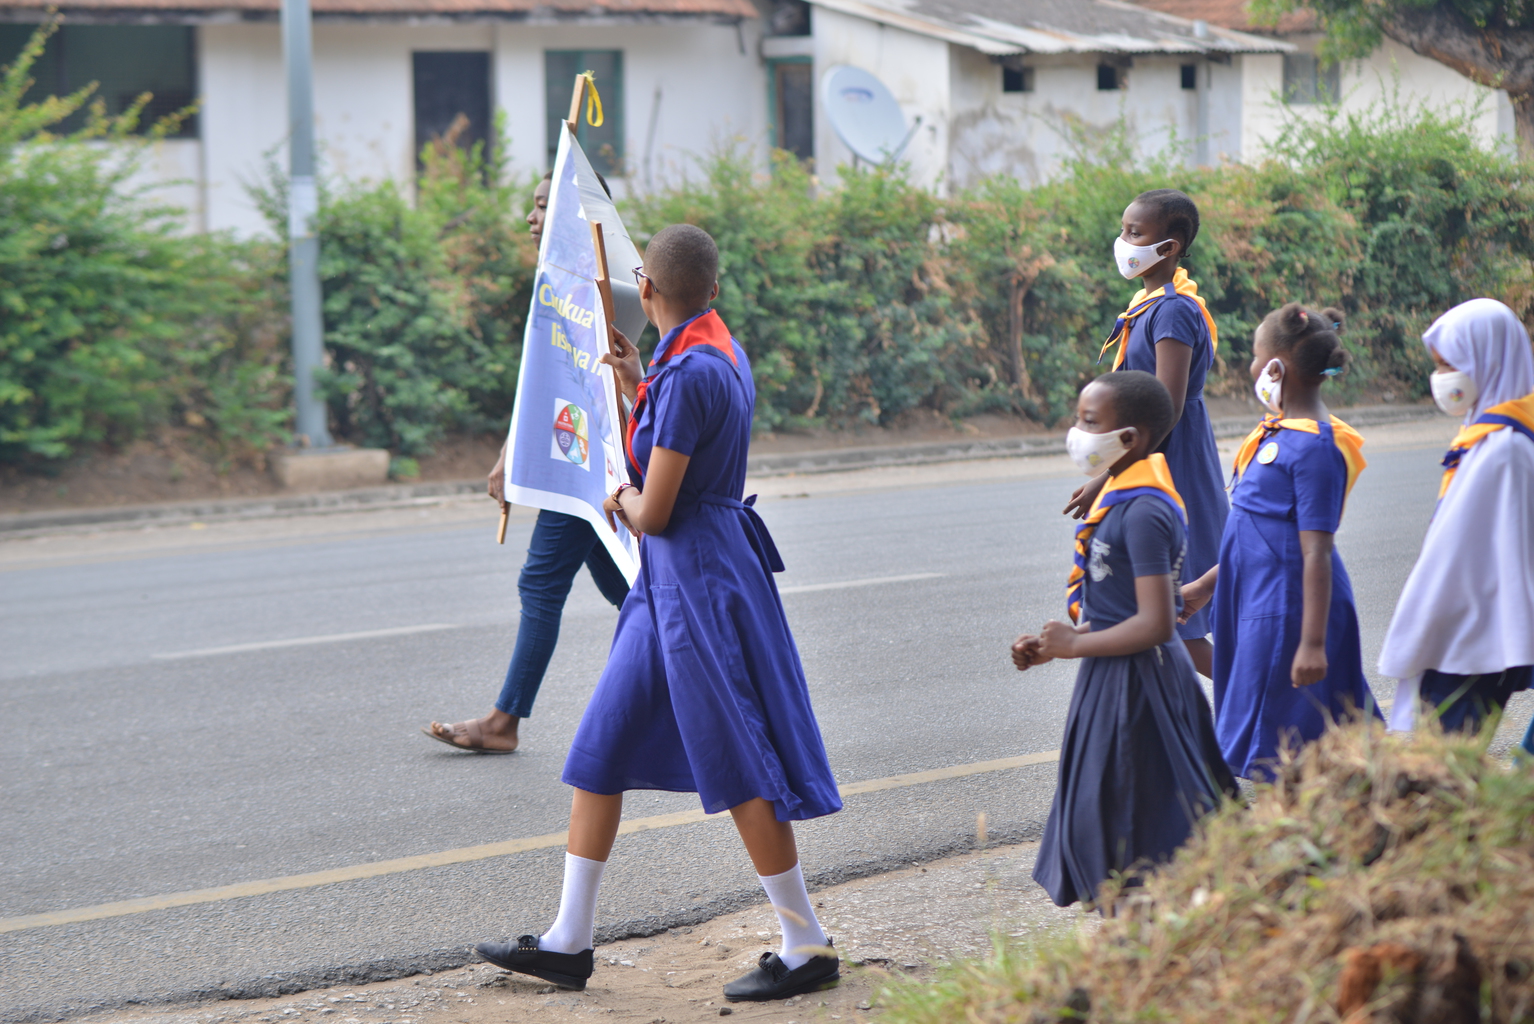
x: 560, y: 545
x: 1462, y: 639
x: 1167, y: 331
x: 703, y: 691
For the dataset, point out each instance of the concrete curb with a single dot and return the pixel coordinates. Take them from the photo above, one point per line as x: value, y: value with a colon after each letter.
x: 840, y: 459
x: 269, y: 507
x: 833, y: 460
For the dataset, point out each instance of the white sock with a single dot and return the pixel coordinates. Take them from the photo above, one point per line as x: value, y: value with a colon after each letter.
x: 791, y: 900
x: 571, y: 930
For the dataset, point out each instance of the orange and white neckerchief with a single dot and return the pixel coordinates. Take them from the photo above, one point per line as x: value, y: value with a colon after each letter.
x: 1151, y: 475
x: 1516, y: 415
x: 1181, y: 284
x: 1348, y: 441
x: 704, y: 329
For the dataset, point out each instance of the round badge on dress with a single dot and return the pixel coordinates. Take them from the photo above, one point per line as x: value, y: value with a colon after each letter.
x: 1269, y: 453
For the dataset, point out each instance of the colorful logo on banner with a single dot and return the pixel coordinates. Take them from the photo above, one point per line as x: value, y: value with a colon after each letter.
x: 572, y: 435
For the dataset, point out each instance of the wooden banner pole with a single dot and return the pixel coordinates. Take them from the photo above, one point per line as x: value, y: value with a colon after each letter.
x: 574, y: 120
x: 605, y: 288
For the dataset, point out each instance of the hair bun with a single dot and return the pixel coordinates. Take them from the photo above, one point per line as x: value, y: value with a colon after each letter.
x: 1292, y: 318
x: 1333, y: 317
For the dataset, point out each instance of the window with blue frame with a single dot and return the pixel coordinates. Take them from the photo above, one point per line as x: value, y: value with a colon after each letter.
x: 604, y: 145
x: 125, y: 61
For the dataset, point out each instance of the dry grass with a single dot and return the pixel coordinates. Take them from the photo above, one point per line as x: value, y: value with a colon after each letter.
x: 1382, y: 878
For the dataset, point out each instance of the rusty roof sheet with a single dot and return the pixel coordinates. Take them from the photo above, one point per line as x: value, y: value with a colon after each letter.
x: 530, y: 10
x: 1016, y: 27
x: 1233, y: 14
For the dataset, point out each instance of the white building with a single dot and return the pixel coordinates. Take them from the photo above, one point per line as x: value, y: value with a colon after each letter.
x: 391, y: 74
x: 1392, y: 72
x: 1013, y: 85
x: 1000, y: 86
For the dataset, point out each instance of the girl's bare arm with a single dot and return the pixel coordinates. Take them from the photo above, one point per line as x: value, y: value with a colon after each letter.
x: 1309, y: 665
x: 1154, y: 623
x: 649, y: 510
x: 1174, y: 361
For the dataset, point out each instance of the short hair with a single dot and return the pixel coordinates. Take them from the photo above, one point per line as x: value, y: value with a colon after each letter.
x: 683, y: 262
x: 1308, y: 340
x: 1141, y: 401
x: 1177, y: 211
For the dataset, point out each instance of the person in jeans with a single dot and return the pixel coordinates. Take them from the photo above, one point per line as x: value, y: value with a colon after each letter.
x: 561, y: 544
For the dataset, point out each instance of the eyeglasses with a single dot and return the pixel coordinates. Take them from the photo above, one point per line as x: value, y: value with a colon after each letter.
x: 640, y: 277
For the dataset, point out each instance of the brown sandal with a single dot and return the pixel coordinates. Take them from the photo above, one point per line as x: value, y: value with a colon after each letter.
x: 472, y: 733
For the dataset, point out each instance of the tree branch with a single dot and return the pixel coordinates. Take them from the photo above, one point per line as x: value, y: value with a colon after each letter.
x: 1497, y: 57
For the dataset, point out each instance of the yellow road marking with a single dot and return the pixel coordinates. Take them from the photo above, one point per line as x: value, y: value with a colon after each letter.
x: 808, y: 588
x: 263, y: 886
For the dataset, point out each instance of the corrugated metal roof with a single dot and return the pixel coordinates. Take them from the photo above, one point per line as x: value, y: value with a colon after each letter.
x: 1005, y: 28
x: 522, y: 10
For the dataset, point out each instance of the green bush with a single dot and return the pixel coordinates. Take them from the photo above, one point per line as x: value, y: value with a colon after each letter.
x: 862, y: 303
x: 111, y: 322
x: 424, y: 302
x: 875, y: 298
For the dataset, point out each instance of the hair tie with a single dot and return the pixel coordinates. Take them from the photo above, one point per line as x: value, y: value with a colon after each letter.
x: 1331, y: 371
x: 1336, y: 325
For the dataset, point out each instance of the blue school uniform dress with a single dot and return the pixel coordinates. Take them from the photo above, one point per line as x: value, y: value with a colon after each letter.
x: 1292, y: 475
x: 1139, y: 764
x: 703, y: 690
x: 1175, y: 313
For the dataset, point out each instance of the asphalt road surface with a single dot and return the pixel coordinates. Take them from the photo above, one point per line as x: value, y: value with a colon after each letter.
x: 162, y: 734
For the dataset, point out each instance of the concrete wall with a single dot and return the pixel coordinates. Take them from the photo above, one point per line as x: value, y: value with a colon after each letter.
x: 170, y: 172
x: 1392, y: 73
x: 1028, y: 134
x: 701, y: 85
x: 711, y: 83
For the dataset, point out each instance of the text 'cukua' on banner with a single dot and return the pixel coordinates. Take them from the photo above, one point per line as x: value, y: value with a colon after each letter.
x: 565, y: 449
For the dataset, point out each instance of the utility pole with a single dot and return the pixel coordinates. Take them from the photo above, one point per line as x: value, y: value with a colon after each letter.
x: 1202, y: 72
x: 303, y: 243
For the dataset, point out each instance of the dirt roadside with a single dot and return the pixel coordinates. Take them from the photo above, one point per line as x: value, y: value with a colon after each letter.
x: 902, y: 925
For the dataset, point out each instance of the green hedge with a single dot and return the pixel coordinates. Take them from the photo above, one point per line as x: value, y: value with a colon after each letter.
x: 874, y: 298
x: 858, y: 304
x: 110, y: 321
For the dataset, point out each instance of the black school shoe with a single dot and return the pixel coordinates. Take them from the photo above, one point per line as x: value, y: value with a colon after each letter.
x: 771, y: 979
x: 567, y: 970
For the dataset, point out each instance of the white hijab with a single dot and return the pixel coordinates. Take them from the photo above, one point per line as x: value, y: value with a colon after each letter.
x: 1469, y: 602
x: 1485, y: 340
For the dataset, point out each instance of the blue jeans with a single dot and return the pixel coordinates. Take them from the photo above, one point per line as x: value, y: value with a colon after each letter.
x: 561, y: 544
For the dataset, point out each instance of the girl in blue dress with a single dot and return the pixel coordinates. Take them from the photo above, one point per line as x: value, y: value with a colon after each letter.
x: 1139, y: 764
x: 1287, y: 661
x: 1168, y: 332
x: 703, y: 691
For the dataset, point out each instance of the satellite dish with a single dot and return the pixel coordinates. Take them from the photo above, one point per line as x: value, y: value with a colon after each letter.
x: 864, y: 114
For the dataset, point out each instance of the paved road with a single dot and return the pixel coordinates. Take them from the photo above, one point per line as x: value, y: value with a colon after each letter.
x: 125, y: 773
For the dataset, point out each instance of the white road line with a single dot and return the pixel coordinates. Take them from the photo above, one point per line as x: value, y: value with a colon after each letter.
x: 304, y: 641
x: 846, y: 584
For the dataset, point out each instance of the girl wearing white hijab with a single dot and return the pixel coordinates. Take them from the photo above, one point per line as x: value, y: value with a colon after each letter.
x: 1462, y: 638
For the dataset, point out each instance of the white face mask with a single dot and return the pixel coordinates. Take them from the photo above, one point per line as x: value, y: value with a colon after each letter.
x: 1135, y: 260
x: 1270, y: 392
x: 1454, y: 391
x: 1094, y: 453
